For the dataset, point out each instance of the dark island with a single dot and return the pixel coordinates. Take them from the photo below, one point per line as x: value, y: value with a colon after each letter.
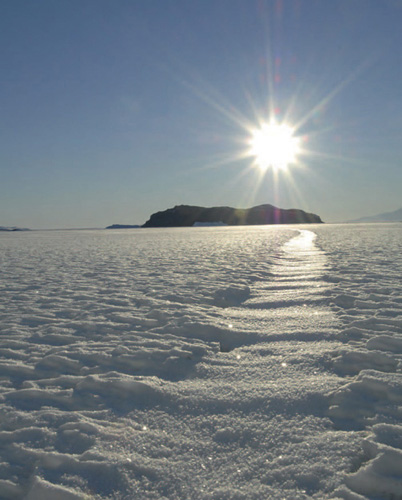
x: 187, y: 215
x: 123, y: 226
x: 13, y: 229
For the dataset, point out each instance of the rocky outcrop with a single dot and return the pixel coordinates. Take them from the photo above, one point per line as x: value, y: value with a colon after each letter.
x: 187, y: 215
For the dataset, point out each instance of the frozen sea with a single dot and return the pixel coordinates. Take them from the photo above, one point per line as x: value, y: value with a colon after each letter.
x: 225, y: 363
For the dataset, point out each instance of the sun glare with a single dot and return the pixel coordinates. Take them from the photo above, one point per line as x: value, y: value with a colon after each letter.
x: 274, y: 146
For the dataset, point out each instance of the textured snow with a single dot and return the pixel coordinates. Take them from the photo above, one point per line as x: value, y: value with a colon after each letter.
x: 202, y: 363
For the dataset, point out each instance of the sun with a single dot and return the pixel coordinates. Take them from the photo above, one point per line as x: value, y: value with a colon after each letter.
x: 274, y: 145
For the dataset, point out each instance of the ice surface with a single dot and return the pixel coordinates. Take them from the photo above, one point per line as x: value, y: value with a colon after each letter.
x: 202, y: 363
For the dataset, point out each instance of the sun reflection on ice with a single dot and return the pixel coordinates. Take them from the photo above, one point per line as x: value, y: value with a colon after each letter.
x: 303, y: 242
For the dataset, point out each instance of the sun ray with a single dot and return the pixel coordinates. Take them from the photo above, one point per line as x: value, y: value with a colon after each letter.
x: 335, y: 91
x: 205, y: 93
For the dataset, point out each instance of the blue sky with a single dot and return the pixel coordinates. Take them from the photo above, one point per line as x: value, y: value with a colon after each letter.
x: 112, y: 110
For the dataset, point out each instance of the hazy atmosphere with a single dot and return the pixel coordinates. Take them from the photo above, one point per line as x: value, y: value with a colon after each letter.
x: 114, y: 110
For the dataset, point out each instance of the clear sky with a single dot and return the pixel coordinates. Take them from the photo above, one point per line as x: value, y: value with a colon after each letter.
x: 112, y: 110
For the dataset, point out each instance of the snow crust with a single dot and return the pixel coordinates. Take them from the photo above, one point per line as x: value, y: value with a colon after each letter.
x: 202, y: 363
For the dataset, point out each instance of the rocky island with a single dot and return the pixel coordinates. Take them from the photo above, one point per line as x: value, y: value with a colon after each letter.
x: 123, y: 226
x: 188, y: 215
x: 11, y: 229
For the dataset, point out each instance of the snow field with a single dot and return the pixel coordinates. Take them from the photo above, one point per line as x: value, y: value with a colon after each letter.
x: 201, y: 363
x: 367, y: 299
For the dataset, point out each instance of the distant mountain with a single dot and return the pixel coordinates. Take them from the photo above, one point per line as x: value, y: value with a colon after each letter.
x: 122, y: 226
x: 385, y: 217
x: 187, y: 215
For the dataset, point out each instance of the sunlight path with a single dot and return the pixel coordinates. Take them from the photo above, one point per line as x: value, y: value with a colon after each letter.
x: 297, y: 276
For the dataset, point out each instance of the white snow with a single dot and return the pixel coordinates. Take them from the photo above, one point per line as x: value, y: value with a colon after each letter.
x: 202, y: 363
